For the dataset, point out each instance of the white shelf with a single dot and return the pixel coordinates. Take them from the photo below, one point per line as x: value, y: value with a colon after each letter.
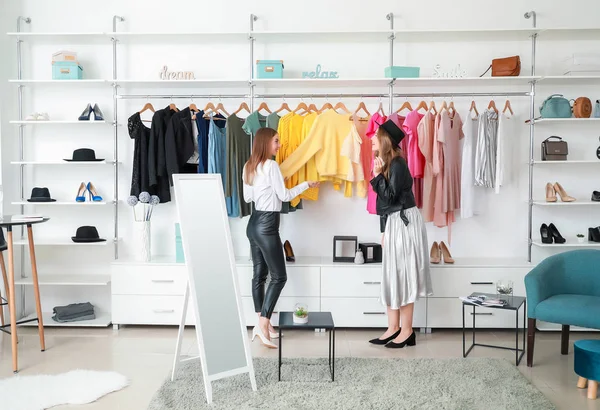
x: 72, y: 163
x: 593, y: 161
x: 66, y: 280
x: 560, y: 203
x: 65, y: 37
x: 568, y: 120
x: 63, y: 82
x: 449, y: 35
x: 299, y: 36
x: 203, y: 83
x: 323, y: 82
x: 569, y: 244
x: 61, y: 242
x: 465, y: 81
x: 179, y: 37
x: 569, y: 79
x: 62, y: 203
x: 102, y: 320
x: 58, y: 122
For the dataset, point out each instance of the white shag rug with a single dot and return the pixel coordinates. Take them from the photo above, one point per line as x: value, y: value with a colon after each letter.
x: 46, y: 391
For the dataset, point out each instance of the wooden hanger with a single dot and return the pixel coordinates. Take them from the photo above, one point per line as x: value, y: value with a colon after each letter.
x: 492, y: 105
x: 284, y: 106
x: 444, y: 106
x: 173, y: 107
x: 422, y: 105
x: 474, y: 108
x: 148, y: 106
x: 243, y: 106
x: 363, y: 107
x: 313, y: 108
x: 263, y: 106
x: 326, y: 106
x: 219, y: 107
x: 432, y: 107
x: 301, y: 106
x: 380, y: 108
x: 508, y: 107
x: 342, y: 106
x: 209, y: 106
x: 404, y: 106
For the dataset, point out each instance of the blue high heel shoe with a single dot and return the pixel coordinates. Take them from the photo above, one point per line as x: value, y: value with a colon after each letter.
x: 81, y: 193
x: 93, y: 193
x: 98, y: 116
x: 85, y: 115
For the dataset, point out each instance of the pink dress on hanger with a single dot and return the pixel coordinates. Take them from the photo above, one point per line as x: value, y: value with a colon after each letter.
x: 426, y: 138
x: 415, y: 158
x: 372, y: 128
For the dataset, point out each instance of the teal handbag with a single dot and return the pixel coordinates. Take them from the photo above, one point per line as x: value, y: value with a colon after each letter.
x: 556, y: 106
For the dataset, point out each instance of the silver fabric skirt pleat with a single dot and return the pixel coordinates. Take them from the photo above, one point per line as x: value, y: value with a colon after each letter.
x: 406, y: 276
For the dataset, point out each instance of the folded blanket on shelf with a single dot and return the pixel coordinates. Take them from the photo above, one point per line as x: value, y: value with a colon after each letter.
x: 73, y: 311
x: 78, y: 319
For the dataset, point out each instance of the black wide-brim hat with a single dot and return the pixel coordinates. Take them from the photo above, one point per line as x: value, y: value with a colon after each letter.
x: 84, y: 154
x: 40, y: 195
x: 87, y: 234
x: 396, y: 134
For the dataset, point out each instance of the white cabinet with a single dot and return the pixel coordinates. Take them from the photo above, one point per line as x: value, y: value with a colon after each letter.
x: 366, y: 312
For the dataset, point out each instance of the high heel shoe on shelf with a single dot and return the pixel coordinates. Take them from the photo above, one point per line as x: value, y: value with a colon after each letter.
x: 558, y: 238
x: 550, y: 193
x: 545, y: 234
x: 81, y: 193
x: 98, y: 116
x: 93, y: 193
x: 562, y: 193
x: 446, y: 253
x: 85, y: 115
x: 289, y: 252
x: 378, y: 341
x: 594, y: 234
x: 596, y: 196
x: 258, y: 332
x: 435, y: 255
x: 410, y: 341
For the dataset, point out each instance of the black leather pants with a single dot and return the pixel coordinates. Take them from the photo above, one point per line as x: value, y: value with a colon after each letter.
x: 267, y: 256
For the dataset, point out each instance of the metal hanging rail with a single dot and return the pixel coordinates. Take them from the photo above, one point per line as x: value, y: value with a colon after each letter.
x: 463, y: 94
x: 534, y: 36
x: 115, y: 87
x: 178, y: 96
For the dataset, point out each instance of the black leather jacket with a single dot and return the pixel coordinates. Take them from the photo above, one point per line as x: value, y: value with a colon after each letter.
x: 395, y: 194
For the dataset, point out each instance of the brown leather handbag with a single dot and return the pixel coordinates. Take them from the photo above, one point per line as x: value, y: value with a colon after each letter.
x: 554, y: 149
x: 505, y: 67
x: 582, y: 108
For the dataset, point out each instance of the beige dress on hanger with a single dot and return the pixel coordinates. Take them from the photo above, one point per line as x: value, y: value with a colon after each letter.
x: 426, y: 131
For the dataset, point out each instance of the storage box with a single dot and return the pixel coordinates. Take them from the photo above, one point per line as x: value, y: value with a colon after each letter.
x: 398, y: 71
x: 66, y: 70
x: 269, y: 68
x: 179, y: 257
x: 371, y: 252
x: 344, y: 248
x: 64, y: 55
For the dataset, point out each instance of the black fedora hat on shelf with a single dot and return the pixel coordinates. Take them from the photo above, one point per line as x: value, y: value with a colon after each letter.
x: 40, y: 195
x: 84, y: 155
x: 87, y: 234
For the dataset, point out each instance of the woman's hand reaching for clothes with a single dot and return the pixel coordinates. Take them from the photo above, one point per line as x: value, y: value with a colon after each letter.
x: 313, y: 184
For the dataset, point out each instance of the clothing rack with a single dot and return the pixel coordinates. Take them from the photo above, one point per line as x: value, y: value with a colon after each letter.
x: 178, y: 96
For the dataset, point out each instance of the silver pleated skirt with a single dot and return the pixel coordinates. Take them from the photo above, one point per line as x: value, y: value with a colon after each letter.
x: 406, y: 275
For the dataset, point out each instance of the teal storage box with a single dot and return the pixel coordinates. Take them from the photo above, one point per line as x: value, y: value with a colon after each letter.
x: 66, y: 70
x: 398, y: 71
x: 179, y: 257
x: 269, y: 68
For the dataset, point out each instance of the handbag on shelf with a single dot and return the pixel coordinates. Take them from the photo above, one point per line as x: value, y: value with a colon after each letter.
x: 597, y: 109
x: 556, y: 106
x: 582, y: 108
x: 554, y: 149
x: 505, y: 67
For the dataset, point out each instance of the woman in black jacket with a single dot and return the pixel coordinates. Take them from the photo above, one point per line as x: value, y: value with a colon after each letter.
x: 406, y: 275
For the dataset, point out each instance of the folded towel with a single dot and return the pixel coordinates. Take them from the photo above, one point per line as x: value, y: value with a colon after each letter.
x: 74, y: 310
x: 77, y: 319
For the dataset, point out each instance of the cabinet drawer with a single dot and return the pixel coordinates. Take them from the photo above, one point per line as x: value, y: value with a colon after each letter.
x: 447, y: 313
x: 149, y: 310
x: 149, y: 280
x: 455, y: 282
x: 283, y: 304
x: 351, y: 282
x: 365, y: 312
x: 301, y: 281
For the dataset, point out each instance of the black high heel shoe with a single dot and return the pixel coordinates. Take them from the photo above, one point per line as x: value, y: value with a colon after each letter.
x: 98, y: 116
x: 379, y: 341
x: 545, y: 234
x: 594, y: 234
x: 289, y: 252
x: 410, y: 341
x: 85, y: 115
x: 558, y: 238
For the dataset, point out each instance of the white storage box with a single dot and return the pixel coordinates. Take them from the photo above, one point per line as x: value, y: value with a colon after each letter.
x: 580, y: 64
x: 64, y: 55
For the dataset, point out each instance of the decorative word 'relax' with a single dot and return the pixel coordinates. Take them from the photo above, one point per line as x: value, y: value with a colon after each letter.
x: 319, y: 74
x: 176, y: 75
x: 456, y: 72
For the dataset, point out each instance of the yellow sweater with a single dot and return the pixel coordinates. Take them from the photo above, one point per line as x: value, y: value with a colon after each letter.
x: 290, y: 136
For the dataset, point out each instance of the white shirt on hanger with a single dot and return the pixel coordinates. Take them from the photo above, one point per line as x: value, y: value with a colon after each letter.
x: 467, y: 177
x: 268, y: 189
x: 505, y: 123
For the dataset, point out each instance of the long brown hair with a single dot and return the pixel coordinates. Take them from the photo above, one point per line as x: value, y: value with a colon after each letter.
x: 387, y: 150
x: 260, y: 152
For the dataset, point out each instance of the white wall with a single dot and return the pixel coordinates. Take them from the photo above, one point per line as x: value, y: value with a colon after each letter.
x: 499, y: 231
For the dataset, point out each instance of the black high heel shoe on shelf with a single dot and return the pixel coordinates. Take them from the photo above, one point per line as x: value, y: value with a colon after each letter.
x: 98, y: 116
x: 85, y: 115
x: 594, y: 234
x: 411, y: 341
x: 379, y: 341
x: 558, y: 238
x: 545, y: 234
x: 289, y: 252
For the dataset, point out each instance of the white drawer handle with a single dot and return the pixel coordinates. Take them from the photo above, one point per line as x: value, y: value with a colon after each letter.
x: 164, y: 310
x: 481, y: 314
x: 373, y: 313
x: 163, y: 280
x: 372, y: 283
x: 482, y: 283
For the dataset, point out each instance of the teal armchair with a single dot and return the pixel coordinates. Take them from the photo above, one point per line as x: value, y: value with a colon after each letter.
x: 564, y: 289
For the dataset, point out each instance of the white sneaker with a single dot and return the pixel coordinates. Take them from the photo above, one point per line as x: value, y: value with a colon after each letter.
x: 43, y: 116
x: 32, y: 117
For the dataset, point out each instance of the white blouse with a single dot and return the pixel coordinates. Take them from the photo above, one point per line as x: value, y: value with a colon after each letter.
x: 268, y: 190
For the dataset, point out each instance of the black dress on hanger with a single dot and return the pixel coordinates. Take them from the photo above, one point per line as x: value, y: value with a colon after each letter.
x: 141, y: 135
x: 157, y: 168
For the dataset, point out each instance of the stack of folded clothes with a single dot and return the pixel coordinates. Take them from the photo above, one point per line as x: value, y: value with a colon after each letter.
x: 74, y: 312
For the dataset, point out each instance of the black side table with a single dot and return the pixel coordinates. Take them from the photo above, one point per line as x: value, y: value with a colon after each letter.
x: 514, y: 303
x: 316, y: 320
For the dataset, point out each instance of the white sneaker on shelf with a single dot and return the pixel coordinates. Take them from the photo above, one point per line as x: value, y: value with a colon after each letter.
x: 32, y: 117
x: 43, y: 116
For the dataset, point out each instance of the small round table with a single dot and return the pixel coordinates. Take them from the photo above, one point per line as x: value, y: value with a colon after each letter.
x: 8, y: 222
x: 587, y: 365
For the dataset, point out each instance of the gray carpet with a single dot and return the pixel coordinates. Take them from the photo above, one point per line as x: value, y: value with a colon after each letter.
x: 477, y: 383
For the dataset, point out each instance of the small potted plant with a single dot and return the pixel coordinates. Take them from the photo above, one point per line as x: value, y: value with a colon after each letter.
x: 301, y: 314
x: 580, y: 238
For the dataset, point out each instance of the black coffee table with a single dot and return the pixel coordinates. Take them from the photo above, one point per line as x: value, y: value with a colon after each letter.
x: 316, y: 320
x: 514, y: 303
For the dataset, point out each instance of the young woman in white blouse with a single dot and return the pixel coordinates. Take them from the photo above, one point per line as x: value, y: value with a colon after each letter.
x: 264, y: 185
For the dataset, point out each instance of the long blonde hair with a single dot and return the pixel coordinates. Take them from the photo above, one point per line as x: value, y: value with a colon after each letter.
x: 387, y: 150
x: 260, y: 152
